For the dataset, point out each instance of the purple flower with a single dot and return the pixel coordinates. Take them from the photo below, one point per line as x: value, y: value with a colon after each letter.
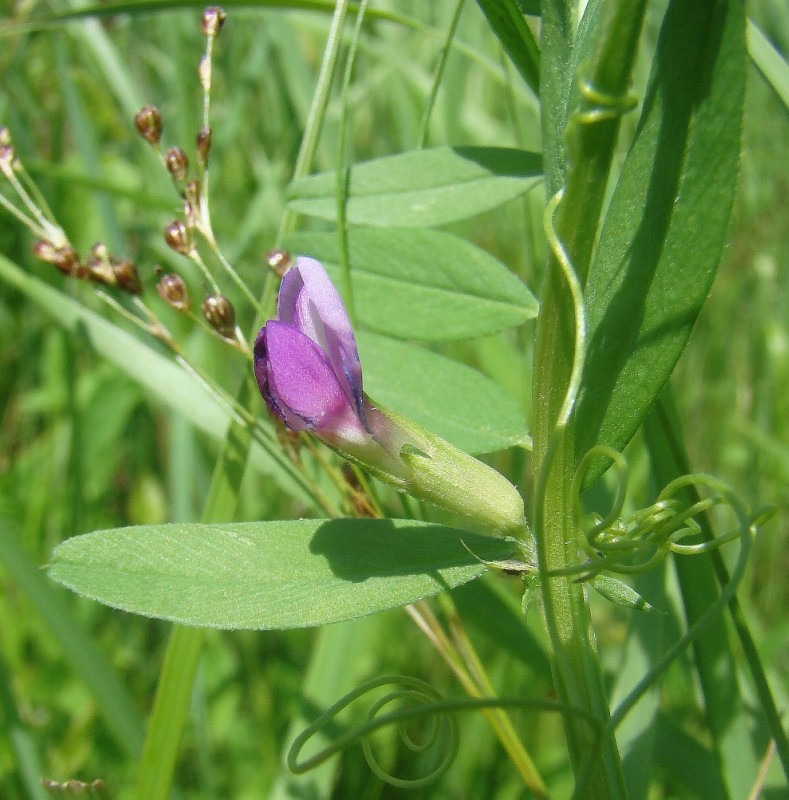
x: 307, y: 367
x: 306, y: 361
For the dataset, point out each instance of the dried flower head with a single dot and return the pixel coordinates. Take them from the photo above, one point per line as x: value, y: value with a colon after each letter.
x: 220, y: 314
x: 177, y: 163
x: 148, y: 122
x: 213, y: 20
x: 64, y: 258
x: 173, y: 291
x: 126, y: 276
x: 177, y: 237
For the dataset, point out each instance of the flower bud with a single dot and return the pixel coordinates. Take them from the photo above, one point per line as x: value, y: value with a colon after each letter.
x: 220, y: 315
x: 148, y: 122
x: 204, y: 145
x: 177, y: 163
x: 213, y: 20
x: 172, y: 290
x: 177, y: 237
x: 126, y: 276
x: 5, y: 136
x: 279, y: 261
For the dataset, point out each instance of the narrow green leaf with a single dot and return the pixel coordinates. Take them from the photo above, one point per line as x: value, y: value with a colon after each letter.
x: 282, y: 574
x: 505, y: 18
x: 667, y: 222
x: 448, y: 398
x: 422, y: 284
x: 422, y: 187
x: 769, y: 61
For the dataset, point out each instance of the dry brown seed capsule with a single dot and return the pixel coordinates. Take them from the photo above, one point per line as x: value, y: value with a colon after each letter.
x: 177, y: 237
x: 177, y: 163
x: 220, y: 315
x: 148, y: 122
x: 68, y: 263
x: 126, y: 276
x: 204, y: 145
x: 213, y: 20
x: 64, y: 258
x: 279, y: 260
x: 173, y: 291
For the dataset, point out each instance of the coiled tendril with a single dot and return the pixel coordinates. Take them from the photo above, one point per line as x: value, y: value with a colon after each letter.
x: 423, y: 701
x: 417, y: 699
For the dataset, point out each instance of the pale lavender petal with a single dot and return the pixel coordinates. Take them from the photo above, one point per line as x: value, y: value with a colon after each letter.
x: 301, y: 386
x: 309, y: 301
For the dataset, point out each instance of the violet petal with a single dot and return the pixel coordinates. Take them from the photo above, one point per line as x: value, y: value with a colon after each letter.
x: 301, y: 385
x: 309, y: 301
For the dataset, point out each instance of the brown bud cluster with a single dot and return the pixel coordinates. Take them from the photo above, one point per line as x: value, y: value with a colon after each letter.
x: 220, y: 315
x: 279, y: 260
x: 213, y: 20
x: 100, y: 267
x: 172, y: 290
x: 148, y: 122
x: 177, y: 163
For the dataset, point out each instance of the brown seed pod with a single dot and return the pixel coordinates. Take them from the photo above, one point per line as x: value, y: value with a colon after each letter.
x: 148, y: 122
x: 177, y: 237
x: 126, y: 276
x: 220, y: 315
x: 64, y: 258
x: 173, y: 291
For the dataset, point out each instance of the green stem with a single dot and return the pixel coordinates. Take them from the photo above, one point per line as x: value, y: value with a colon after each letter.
x: 584, y: 165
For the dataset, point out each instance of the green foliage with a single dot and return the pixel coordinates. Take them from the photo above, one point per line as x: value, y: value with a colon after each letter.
x: 449, y: 288
x: 103, y: 428
x: 424, y: 187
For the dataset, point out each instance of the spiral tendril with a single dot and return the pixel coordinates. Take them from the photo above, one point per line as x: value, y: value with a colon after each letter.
x: 422, y: 701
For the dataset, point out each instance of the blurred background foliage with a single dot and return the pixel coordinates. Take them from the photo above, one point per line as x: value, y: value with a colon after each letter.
x: 82, y: 447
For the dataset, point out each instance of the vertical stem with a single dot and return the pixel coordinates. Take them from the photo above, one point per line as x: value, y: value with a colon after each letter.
x: 578, y: 158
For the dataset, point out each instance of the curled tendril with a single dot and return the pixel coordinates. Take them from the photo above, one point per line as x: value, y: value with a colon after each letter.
x: 422, y: 701
x: 639, y: 541
x: 598, y: 105
x: 417, y: 699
